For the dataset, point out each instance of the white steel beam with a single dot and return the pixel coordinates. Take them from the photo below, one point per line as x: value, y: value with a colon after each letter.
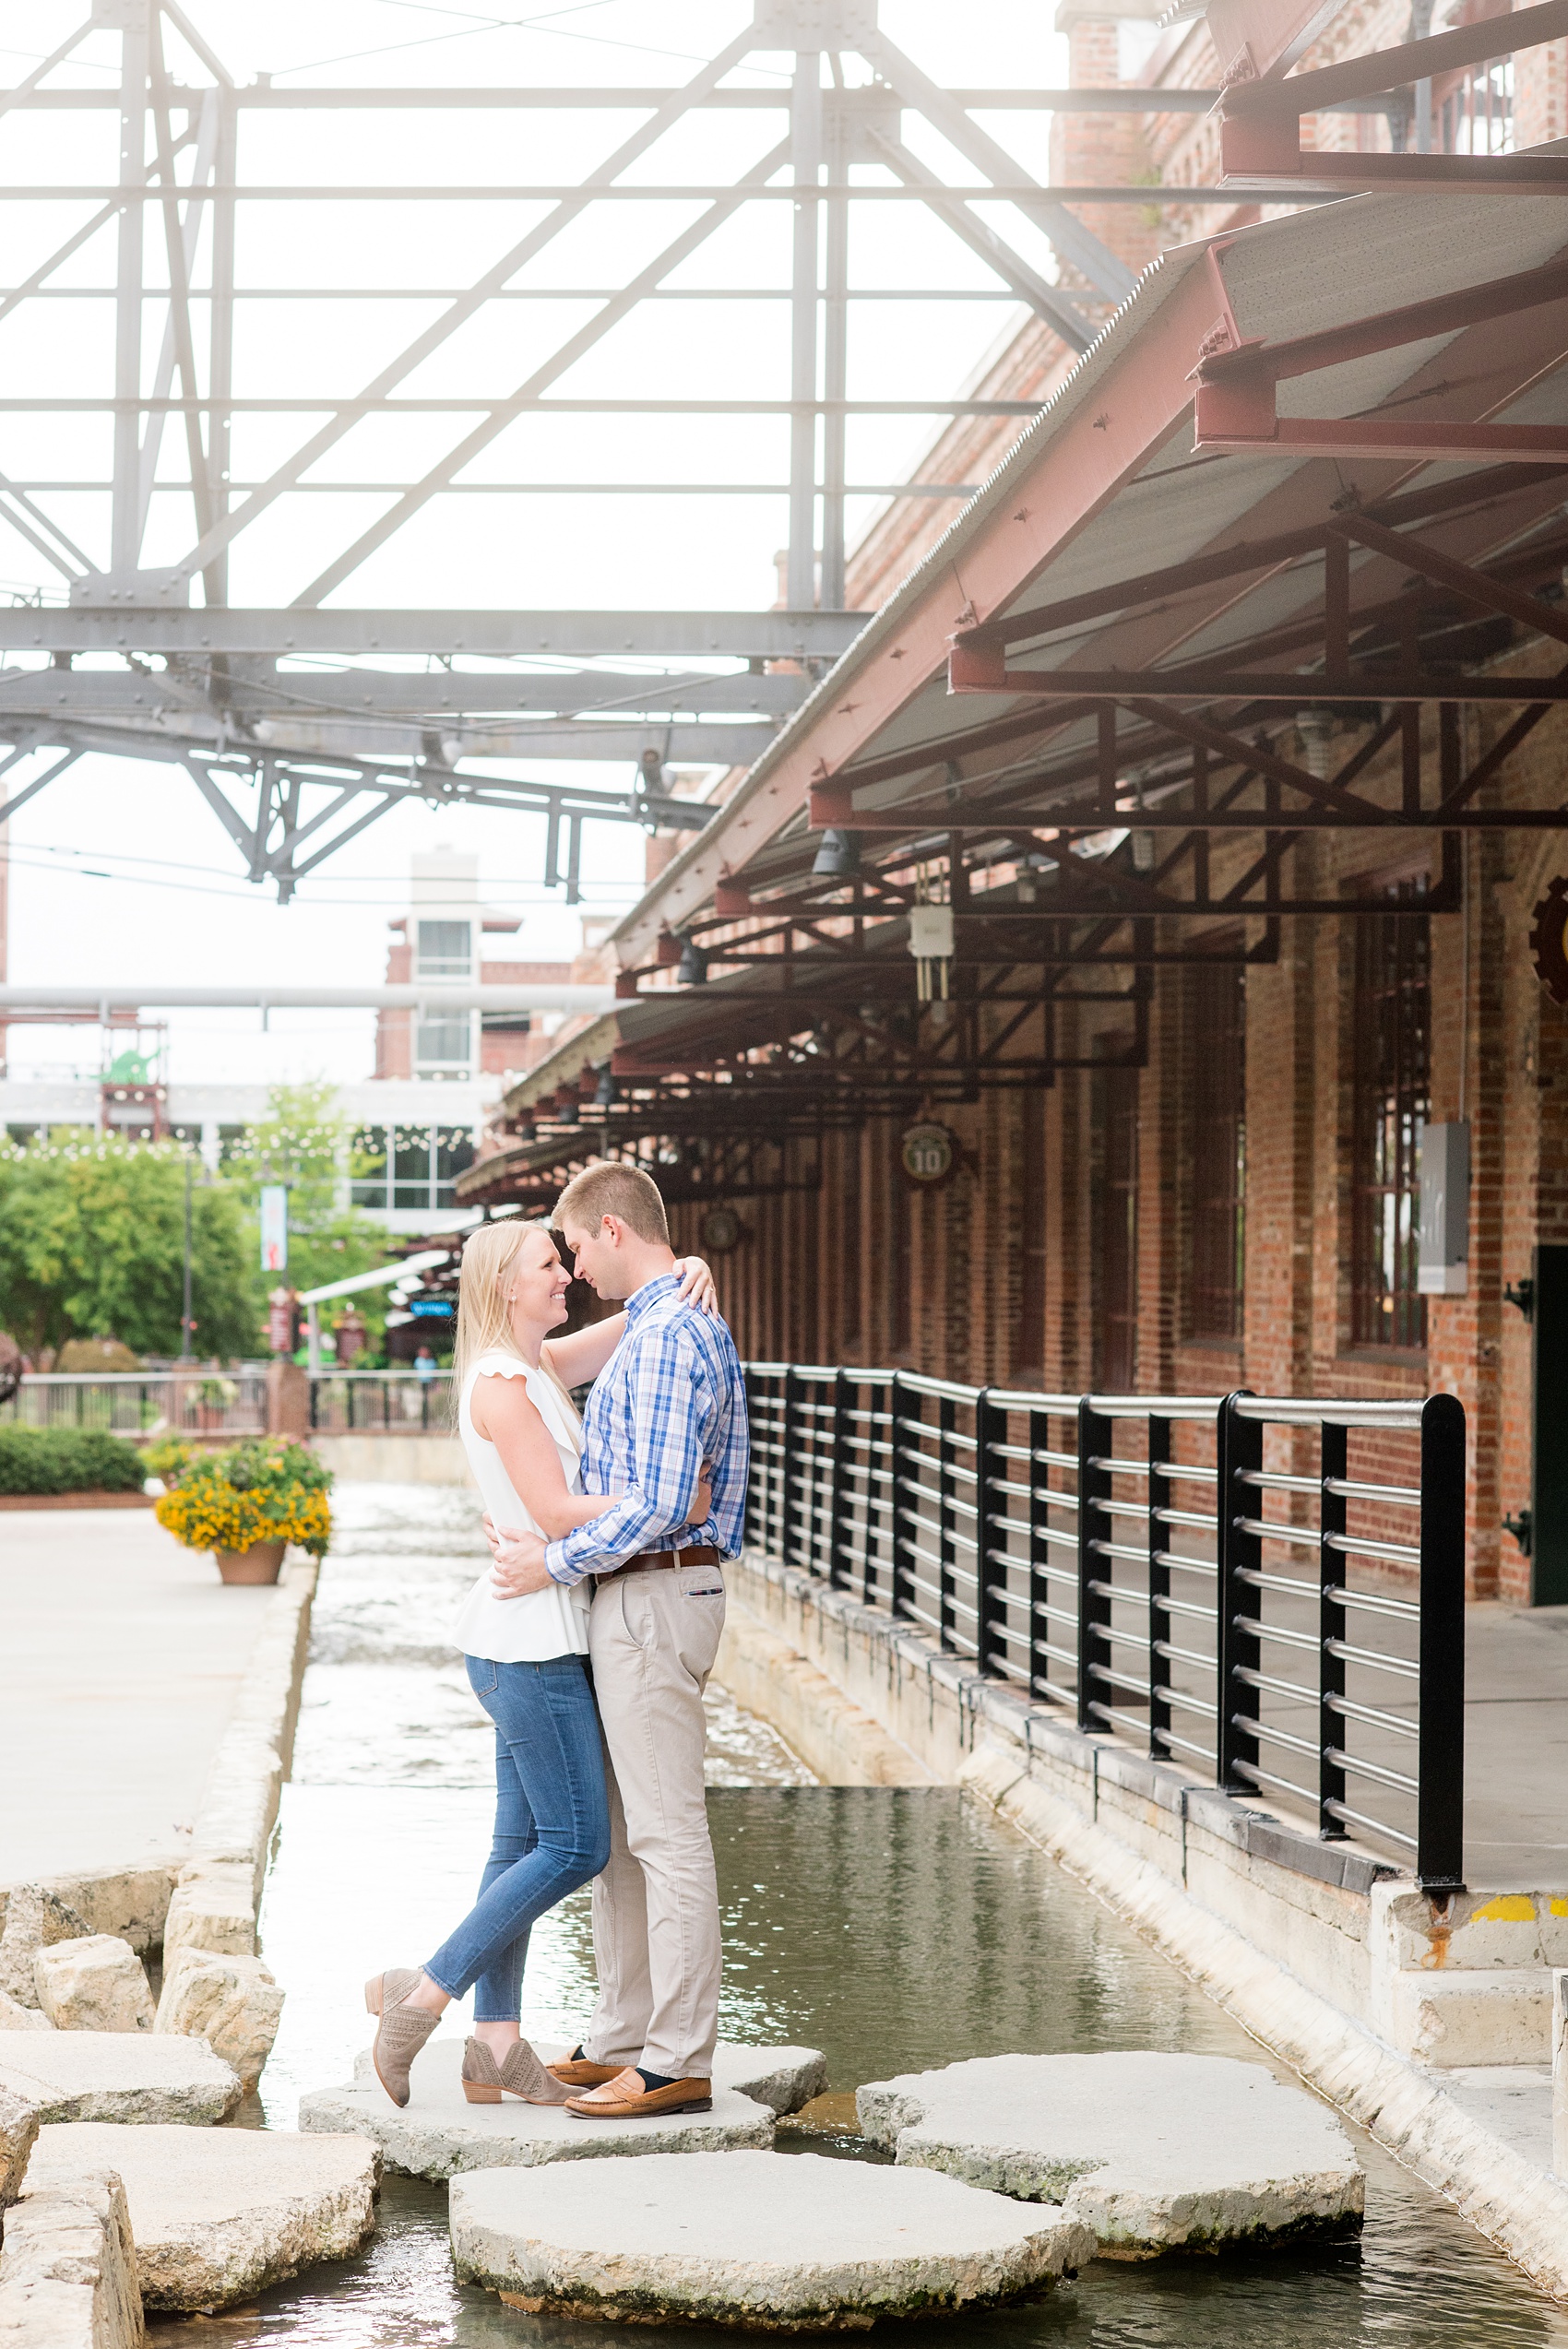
x: 126, y: 528
x: 805, y: 156
x: 527, y: 394
x: 1072, y: 241
x: 485, y: 635
x: 222, y: 534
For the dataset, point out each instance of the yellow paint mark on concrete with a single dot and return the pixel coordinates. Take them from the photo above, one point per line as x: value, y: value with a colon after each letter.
x: 1510, y: 1908
x: 1556, y: 1906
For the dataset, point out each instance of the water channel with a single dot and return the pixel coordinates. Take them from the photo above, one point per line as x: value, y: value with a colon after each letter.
x: 896, y: 1929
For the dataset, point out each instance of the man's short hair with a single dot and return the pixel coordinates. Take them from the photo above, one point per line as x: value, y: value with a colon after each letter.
x: 611, y: 1189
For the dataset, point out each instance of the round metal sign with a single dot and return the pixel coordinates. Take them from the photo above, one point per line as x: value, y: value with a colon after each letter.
x: 720, y: 1230
x: 927, y: 1153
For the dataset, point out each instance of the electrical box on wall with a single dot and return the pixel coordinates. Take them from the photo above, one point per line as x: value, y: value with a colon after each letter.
x: 1442, y: 1266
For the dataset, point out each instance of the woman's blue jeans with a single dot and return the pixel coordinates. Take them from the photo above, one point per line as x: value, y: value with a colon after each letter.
x: 551, y: 1825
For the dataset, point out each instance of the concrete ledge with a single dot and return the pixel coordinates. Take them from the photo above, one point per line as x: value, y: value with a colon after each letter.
x: 214, y: 1905
x: 396, y: 1456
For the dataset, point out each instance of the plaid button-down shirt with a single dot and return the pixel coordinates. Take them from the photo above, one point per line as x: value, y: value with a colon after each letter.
x: 670, y: 1400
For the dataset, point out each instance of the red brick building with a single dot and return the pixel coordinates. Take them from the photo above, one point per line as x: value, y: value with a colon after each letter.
x: 1183, y: 1076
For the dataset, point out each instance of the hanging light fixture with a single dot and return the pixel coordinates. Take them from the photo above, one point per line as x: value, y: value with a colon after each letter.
x: 604, y: 1091
x: 931, y: 941
x: 838, y: 856
x: 693, y: 969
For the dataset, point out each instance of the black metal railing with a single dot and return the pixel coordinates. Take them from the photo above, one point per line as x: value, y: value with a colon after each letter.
x: 1267, y: 1592
x: 143, y: 1403
x: 381, y: 1401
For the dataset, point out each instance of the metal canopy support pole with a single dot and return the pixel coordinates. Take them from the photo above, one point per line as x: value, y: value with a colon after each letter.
x: 805, y: 156
x: 125, y: 534
x: 836, y: 365
x: 221, y: 344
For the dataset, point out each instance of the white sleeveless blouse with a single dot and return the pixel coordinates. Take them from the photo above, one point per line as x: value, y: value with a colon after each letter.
x: 550, y: 1622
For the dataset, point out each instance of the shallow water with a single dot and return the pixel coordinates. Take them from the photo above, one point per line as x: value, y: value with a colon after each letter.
x: 896, y: 1930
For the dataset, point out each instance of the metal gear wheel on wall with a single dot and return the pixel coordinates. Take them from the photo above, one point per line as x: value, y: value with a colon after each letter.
x: 1549, y: 944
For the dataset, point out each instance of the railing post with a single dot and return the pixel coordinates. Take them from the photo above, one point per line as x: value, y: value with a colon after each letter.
x: 1440, y: 1803
x: 1038, y: 1475
x: 900, y: 1590
x: 991, y: 1573
x: 1333, y: 1461
x: 1096, y: 1436
x: 1238, y: 1447
x: 946, y: 1573
x: 749, y: 1515
x: 787, y: 1513
x: 1159, y: 1585
x: 839, y: 1519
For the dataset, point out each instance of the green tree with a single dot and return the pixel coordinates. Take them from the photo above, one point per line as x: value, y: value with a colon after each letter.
x: 304, y: 1141
x: 92, y: 1245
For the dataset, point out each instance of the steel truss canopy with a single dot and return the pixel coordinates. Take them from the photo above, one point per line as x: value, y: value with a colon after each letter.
x: 143, y: 654
x: 1283, y: 558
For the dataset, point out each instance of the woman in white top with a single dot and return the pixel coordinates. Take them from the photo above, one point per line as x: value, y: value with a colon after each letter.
x: 525, y: 1660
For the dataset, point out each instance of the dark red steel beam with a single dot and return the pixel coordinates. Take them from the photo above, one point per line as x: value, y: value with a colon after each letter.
x: 1492, y: 594
x: 1208, y: 680
x: 1260, y: 554
x: 1445, y: 313
x: 1240, y: 420
x: 1281, y: 99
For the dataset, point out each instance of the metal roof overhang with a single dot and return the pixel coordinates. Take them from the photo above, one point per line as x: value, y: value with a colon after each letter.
x: 1137, y: 621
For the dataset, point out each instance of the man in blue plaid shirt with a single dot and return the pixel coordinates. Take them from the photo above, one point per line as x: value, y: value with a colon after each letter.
x: 668, y: 1409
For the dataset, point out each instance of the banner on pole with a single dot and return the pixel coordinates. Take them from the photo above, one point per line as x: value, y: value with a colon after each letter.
x: 274, y: 1227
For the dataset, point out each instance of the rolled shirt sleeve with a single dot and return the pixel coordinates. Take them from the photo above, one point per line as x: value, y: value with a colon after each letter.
x: 669, y: 1406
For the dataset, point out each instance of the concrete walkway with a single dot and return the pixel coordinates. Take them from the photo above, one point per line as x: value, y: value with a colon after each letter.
x: 121, y: 1657
x: 1516, y: 1748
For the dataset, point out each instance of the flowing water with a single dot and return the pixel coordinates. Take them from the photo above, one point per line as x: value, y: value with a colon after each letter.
x: 896, y: 1929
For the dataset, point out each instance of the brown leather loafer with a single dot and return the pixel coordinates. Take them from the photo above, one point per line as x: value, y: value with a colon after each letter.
x: 577, y: 2072
x: 625, y: 2096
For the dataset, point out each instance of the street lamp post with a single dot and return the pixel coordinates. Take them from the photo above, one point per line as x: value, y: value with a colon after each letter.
x: 186, y: 1349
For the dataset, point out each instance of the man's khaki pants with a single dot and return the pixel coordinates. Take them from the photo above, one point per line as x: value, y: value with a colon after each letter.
x: 653, y: 1633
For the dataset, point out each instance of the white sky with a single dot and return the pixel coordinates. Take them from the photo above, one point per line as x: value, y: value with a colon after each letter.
x: 119, y: 871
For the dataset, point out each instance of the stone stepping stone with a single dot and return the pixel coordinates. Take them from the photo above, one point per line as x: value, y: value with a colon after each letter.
x: 438, y: 2133
x: 777, y: 2240
x: 119, y: 2076
x: 1156, y: 2153
x: 218, y: 2216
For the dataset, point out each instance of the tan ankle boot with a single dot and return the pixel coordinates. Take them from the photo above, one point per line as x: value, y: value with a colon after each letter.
x: 519, y: 2073
x: 401, y: 2031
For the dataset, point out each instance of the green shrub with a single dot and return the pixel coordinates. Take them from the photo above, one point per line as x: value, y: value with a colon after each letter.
x: 68, y: 1460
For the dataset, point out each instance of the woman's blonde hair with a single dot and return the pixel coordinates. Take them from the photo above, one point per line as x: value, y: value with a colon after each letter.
x: 484, y: 1323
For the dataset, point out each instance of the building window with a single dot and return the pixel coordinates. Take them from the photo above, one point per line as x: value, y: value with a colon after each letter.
x: 1216, y: 1149
x: 454, y: 1153
x: 1028, y: 1349
x: 444, y: 950
x: 1392, y: 1024
x: 444, y: 1044
x: 425, y: 1162
x: 410, y: 1167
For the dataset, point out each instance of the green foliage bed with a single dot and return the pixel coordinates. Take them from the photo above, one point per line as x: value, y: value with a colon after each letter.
x: 68, y: 1460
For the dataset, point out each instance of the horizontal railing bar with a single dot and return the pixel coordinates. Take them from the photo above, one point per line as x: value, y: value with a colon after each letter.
x: 1376, y: 1826
x: 1399, y: 1496
x: 1374, y: 1770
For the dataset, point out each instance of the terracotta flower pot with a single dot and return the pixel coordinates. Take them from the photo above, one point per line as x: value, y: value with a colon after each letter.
x: 263, y: 1562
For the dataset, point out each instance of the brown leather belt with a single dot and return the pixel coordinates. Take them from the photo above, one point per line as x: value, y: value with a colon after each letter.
x: 702, y: 1554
